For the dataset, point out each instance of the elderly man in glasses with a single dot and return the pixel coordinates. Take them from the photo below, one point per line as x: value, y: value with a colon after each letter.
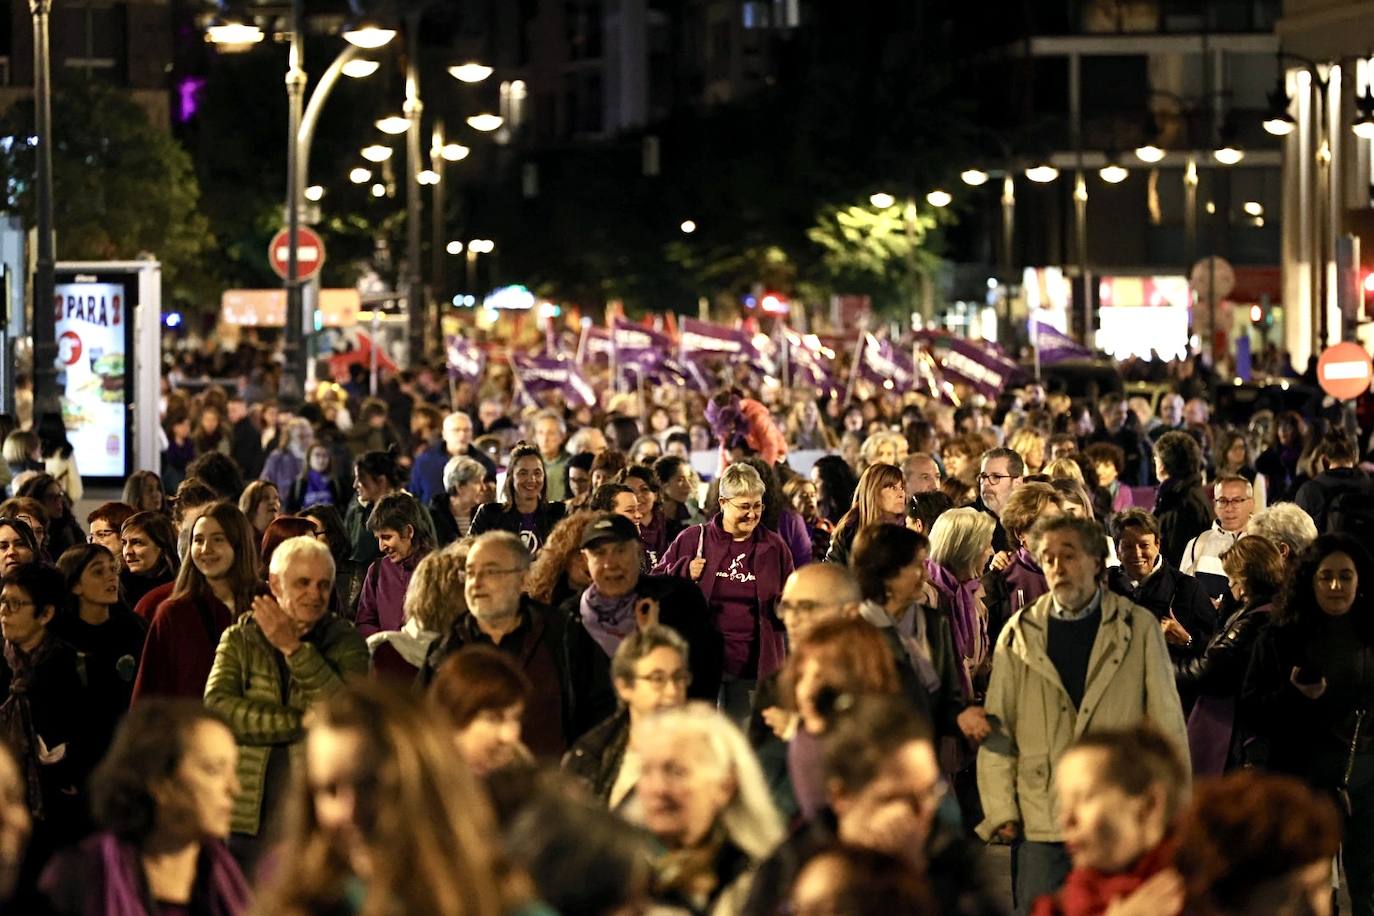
x: 1000, y: 473
x: 1234, y: 501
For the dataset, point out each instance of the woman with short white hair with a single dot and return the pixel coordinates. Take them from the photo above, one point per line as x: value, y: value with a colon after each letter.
x: 883, y: 447
x: 740, y: 567
x: 960, y: 546
x: 703, y: 795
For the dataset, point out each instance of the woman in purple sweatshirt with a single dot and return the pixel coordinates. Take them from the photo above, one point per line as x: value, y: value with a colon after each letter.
x: 404, y: 539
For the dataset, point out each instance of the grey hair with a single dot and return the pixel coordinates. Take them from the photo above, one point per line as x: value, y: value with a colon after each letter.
x: 640, y: 643
x: 302, y: 545
x: 549, y: 414
x: 739, y: 479
x: 461, y: 470
x: 750, y: 819
x: 1091, y: 537
x: 959, y: 537
x: 519, y: 553
x: 1284, y: 523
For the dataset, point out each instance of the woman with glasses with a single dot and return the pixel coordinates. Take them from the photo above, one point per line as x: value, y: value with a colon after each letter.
x: 880, y: 498
x: 482, y: 696
x: 650, y: 673
x: 149, y: 553
x: 740, y: 567
x: 524, y: 508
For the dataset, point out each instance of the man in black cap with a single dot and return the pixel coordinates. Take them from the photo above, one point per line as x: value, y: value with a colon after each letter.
x: 621, y: 598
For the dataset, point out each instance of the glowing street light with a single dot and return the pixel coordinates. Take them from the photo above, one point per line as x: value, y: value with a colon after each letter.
x: 1228, y: 155
x: 485, y: 122
x: 359, y: 176
x: 233, y: 32
x: 428, y: 176
x: 393, y: 124
x: 379, y: 190
x: 688, y: 226
x: 1112, y: 173
x: 454, y: 247
x: 974, y: 177
x: 377, y: 153
x: 882, y: 200
x: 939, y: 198
x: 1149, y: 153
x: 1253, y: 208
x: 470, y: 72
x: 454, y: 152
x: 358, y: 68
x: 368, y: 35
x: 314, y: 192
x: 1042, y: 174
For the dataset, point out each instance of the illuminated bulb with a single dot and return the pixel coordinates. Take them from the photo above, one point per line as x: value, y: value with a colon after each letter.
x: 974, y: 177
x: 1112, y: 173
x: 938, y: 198
x: 376, y: 153
x: 688, y: 226
x: 454, y: 248
x: 1280, y: 127
x: 1228, y: 155
x: 369, y: 36
x: 485, y: 122
x: 1149, y: 153
x: 314, y: 192
x: 882, y: 200
x: 453, y: 152
x: 233, y: 33
x: 1042, y: 174
x: 359, y: 175
x: 1253, y: 207
x: 470, y: 72
x: 393, y: 124
x: 428, y: 176
x: 1364, y: 128
x: 1256, y: 313
x: 379, y: 190
x: 359, y: 68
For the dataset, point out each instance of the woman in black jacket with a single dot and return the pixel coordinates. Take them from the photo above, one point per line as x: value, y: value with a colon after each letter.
x: 524, y: 508
x: 1310, y: 688
x: 1254, y: 568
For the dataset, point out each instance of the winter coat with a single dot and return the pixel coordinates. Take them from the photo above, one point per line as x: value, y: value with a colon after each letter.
x: 1184, y: 511
x: 1216, y: 677
x: 682, y: 607
x: 942, y: 705
x: 1130, y: 680
x: 1006, y: 591
x: 245, y: 686
x: 1167, y: 591
x: 771, y: 567
x: 1317, y: 495
x: 384, y: 592
x: 1202, y: 558
x: 596, y: 757
x: 180, y: 648
x: 427, y: 473
x: 841, y: 544
x: 557, y: 712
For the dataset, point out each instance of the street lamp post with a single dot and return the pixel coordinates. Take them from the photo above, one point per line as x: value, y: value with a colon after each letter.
x: 294, y: 332
x: 415, y: 290
x: 45, y: 395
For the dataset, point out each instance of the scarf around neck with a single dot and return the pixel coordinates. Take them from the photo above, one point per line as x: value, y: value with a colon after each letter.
x: 970, y: 628
x: 608, y: 620
x: 16, y: 714
x: 219, y: 882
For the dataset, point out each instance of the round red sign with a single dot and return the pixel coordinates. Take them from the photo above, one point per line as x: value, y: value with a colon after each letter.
x: 1344, y: 370
x: 309, y: 253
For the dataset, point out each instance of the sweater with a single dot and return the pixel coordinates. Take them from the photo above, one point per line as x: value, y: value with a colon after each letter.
x: 383, y: 593
x: 180, y: 648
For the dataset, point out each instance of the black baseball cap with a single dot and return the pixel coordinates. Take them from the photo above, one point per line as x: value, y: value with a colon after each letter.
x: 609, y: 527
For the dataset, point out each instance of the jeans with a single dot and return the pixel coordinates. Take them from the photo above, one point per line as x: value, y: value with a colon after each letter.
x: 1036, y: 869
x: 737, y: 699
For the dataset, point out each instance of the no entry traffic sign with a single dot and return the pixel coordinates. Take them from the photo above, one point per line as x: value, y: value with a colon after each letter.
x: 1344, y: 370
x: 309, y: 253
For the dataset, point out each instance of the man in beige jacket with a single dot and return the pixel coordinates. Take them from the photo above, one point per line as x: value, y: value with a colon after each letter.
x: 1078, y: 660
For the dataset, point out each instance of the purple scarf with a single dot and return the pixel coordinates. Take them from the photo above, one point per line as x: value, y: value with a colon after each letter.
x: 16, y: 715
x: 120, y: 871
x: 608, y: 620
x: 964, y: 619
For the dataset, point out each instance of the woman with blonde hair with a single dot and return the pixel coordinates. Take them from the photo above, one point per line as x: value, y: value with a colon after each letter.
x: 807, y: 429
x: 560, y: 571
x: 1029, y: 443
x: 960, y: 546
x: 386, y: 818
x: 879, y: 497
x: 433, y: 600
x: 704, y: 798
x: 1063, y: 469
x: 883, y: 447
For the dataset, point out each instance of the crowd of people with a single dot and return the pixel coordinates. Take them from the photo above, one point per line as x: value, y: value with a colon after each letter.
x: 442, y: 651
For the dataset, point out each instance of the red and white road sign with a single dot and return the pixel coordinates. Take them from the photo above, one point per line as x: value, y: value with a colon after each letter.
x: 309, y: 253
x: 1344, y: 370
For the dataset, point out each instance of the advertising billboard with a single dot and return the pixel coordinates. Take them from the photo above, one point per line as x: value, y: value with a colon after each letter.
x: 94, y: 326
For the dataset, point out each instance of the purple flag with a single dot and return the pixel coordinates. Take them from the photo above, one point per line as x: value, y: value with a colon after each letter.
x: 1054, y: 345
x: 546, y: 373
x: 466, y: 361
x: 627, y: 335
x: 886, y: 365
x: 704, y: 339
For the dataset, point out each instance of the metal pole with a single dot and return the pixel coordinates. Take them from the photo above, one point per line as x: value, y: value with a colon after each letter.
x: 1008, y: 237
x: 305, y: 135
x: 415, y: 290
x: 294, y: 363
x: 437, y: 244
x: 46, y: 398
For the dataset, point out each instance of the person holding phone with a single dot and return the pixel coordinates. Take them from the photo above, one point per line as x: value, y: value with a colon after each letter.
x: 1310, y: 688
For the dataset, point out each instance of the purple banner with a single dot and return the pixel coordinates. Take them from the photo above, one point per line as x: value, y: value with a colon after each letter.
x: 704, y: 339
x: 982, y: 370
x: 630, y: 336
x: 466, y: 361
x: 544, y: 373
x: 886, y: 365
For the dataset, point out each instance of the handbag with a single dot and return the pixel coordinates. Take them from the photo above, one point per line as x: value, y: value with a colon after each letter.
x: 1343, y: 791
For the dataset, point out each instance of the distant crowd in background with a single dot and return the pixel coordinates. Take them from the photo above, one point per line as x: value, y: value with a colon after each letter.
x: 447, y: 648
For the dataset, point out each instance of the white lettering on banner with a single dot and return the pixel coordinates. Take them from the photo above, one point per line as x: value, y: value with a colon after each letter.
x: 691, y: 340
x: 883, y: 365
x: 579, y: 384
x: 973, y: 369
x: 631, y: 339
x: 463, y: 364
x: 1356, y: 369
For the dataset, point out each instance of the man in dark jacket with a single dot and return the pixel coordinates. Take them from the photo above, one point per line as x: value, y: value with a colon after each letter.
x: 245, y: 442
x: 532, y: 634
x: 1339, y: 477
x: 1181, y: 505
x: 1117, y: 427
x: 621, y: 597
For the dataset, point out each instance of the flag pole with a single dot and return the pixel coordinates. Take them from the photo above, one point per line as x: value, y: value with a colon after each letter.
x: 519, y: 385
x: 854, y: 365
x: 1035, y: 343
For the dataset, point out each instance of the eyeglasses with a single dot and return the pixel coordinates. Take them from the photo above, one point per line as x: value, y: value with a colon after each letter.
x: 805, y: 608
x: 9, y: 607
x: 661, y: 679
x: 487, y: 572
x: 747, y: 507
x: 101, y: 535
x: 995, y: 479
x: 1227, y: 502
